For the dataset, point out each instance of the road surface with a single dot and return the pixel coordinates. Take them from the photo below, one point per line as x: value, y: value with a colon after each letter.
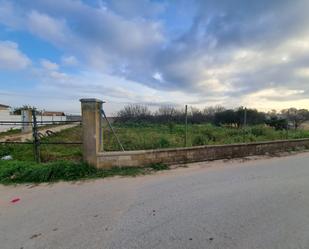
x: 255, y: 204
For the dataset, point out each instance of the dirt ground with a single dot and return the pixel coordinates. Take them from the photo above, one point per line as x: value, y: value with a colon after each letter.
x: 28, y: 136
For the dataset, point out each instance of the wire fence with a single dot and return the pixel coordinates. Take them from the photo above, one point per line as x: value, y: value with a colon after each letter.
x: 41, y: 134
x: 139, y: 127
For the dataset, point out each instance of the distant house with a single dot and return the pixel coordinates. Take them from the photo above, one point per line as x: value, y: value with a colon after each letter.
x: 4, y: 107
x: 58, y: 114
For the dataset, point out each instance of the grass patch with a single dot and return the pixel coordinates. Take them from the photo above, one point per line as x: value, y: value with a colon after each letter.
x: 12, y: 172
x: 10, y: 132
x: 158, y: 166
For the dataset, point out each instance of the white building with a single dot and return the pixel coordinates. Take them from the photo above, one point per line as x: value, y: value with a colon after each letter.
x: 7, y: 115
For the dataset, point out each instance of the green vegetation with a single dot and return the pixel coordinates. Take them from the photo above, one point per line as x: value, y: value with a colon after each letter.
x: 139, y: 128
x: 12, y: 172
x: 149, y: 136
x: 63, y: 162
x: 154, y: 136
x: 24, y: 152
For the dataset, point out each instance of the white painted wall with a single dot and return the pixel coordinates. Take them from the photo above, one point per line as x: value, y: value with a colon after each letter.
x: 6, y: 116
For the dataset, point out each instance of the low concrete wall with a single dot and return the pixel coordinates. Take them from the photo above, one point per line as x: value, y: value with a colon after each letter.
x: 196, y: 154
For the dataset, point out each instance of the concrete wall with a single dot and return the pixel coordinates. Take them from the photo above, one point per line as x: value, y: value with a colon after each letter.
x: 6, y: 116
x: 195, y: 154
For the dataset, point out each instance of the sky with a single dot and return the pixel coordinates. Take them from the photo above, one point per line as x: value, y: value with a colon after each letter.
x: 201, y: 53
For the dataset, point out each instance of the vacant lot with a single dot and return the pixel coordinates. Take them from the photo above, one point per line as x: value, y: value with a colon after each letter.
x: 149, y: 136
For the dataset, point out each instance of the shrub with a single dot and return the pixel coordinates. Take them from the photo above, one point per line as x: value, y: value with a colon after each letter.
x: 199, y: 140
x: 164, y: 143
x: 258, y: 131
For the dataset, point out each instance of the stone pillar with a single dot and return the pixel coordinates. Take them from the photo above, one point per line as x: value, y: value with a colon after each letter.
x: 26, y: 116
x: 91, y: 129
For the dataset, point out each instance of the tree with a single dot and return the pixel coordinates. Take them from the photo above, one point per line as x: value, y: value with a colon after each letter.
x: 277, y: 123
x: 134, y: 113
x: 167, y: 114
x: 196, y: 116
x: 253, y: 117
x: 295, y: 116
x: 226, y: 117
x: 209, y: 112
x: 17, y: 110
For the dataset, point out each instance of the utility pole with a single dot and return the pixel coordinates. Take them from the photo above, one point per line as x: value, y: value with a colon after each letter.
x: 245, y: 117
x: 186, y: 126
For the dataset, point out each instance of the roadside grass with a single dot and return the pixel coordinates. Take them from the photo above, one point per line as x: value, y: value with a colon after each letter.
x: 14, y: 172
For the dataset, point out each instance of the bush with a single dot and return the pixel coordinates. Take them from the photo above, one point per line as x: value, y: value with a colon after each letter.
x: 198, y: 140
x: 258, y: 131
x: 5, y: 150
x: 164, y: 143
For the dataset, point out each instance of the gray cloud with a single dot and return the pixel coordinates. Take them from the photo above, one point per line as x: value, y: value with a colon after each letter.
x: 232, y: 49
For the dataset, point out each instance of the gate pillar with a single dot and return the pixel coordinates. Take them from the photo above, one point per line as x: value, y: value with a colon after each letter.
x: 91, y: 129
x: 26, y: 116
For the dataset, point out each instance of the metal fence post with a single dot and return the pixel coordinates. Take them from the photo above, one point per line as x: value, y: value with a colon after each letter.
x: 36, y: 140
x: 245, y: 125
x: 186, y: 126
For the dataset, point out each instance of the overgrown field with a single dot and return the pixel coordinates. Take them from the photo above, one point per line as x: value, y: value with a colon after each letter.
x: 149, y: 136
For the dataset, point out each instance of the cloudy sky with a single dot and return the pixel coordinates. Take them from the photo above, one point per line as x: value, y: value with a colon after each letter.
x: 201, y: 53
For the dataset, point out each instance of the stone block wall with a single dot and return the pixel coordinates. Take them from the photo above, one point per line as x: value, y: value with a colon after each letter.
x: 195, y: 154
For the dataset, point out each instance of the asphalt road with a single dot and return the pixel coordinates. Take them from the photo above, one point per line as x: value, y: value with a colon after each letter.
x: 255, y: 204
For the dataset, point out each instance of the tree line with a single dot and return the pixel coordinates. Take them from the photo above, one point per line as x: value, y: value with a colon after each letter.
x: 216, y: 115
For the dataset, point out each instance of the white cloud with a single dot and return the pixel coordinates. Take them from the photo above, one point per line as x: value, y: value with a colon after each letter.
x: 69, y: 61
x: 276, y: 98
x: 48, y: 28
x: 158, y: 76
x: 46, y: 64
x: 11, y: 57
x: 226, y: 57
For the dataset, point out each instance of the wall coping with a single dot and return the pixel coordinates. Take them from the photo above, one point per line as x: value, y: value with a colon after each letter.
x: 91, y: 100
x: 136, y: 152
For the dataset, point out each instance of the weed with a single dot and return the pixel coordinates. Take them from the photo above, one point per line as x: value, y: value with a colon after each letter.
x: 30, y: 172
x: 158, y: 166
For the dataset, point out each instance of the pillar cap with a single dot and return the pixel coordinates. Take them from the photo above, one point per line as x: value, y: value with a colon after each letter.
x: 91, y: 100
